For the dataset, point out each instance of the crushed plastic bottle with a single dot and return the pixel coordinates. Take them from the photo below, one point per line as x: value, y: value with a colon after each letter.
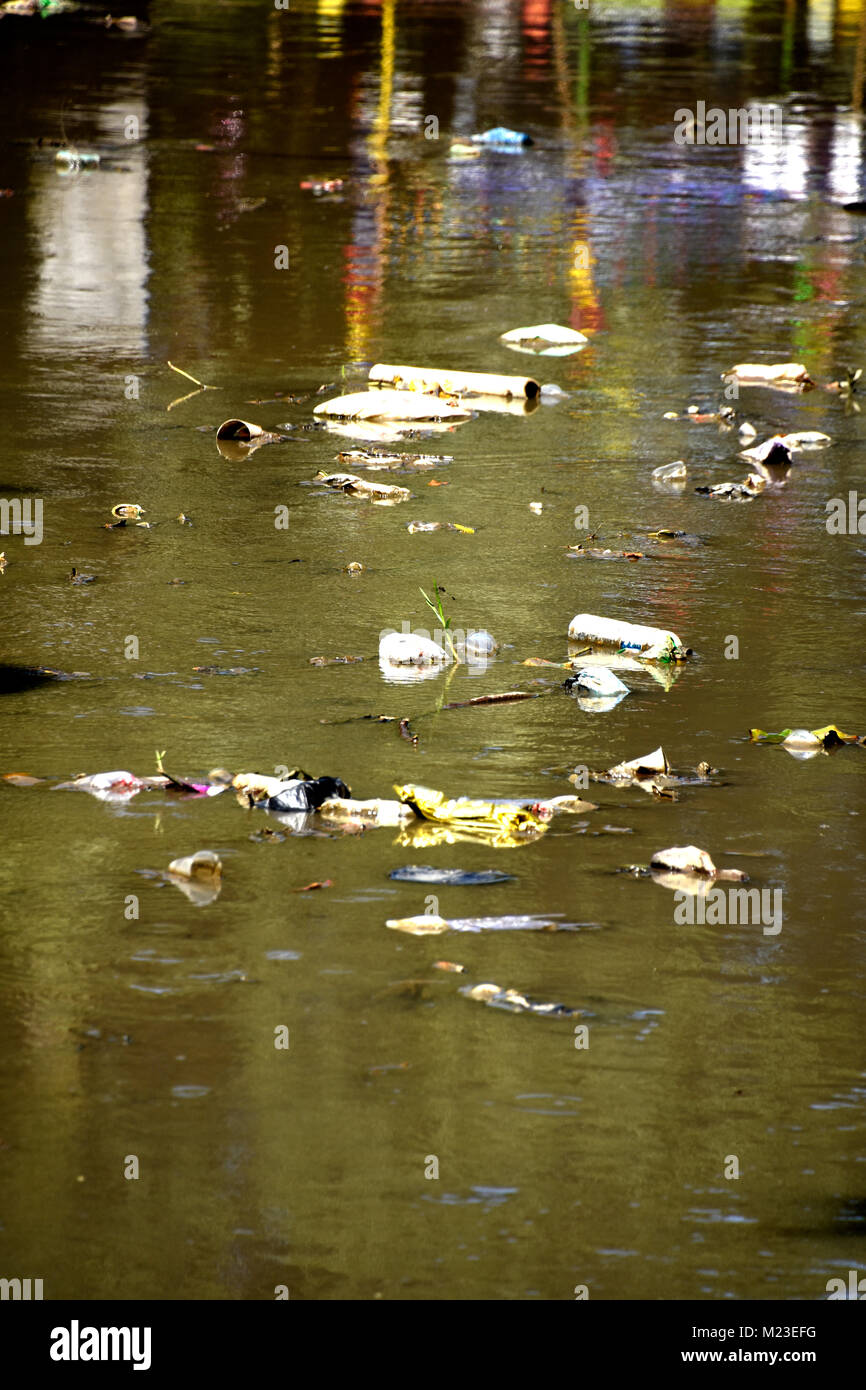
x: 644, y: 643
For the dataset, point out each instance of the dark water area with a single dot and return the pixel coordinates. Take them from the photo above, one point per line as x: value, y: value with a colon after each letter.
x: 154, y: 1035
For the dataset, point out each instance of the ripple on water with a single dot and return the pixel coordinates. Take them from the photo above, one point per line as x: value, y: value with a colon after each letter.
x: 560, y: 1109
x: 219, y: 977
x: 712, y: 1215
x: 476, y: 1196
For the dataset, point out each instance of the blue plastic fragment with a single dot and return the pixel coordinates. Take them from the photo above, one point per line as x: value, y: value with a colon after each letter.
x: 501, y: 135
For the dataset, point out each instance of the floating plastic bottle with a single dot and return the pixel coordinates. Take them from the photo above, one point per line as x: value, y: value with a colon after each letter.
x: 645, y: 643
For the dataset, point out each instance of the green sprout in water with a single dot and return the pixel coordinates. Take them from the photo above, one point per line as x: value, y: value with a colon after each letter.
x: 445, y: 622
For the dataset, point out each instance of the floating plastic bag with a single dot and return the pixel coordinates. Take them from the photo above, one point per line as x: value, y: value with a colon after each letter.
x: 464, y: 813
x: 306, y: 795
x: 407, y: 649
x: 106, y: 786
x: 597, y: 689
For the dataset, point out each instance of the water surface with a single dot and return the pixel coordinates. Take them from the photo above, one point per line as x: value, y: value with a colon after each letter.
x: 154, y: 1036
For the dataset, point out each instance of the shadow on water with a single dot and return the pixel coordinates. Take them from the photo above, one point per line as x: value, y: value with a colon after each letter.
x: 14, y: 679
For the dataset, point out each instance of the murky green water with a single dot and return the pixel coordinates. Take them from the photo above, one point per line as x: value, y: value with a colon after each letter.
x: 154, y: 1036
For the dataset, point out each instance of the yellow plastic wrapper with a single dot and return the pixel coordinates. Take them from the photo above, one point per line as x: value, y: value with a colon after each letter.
x: 421, y: 834
x: 502, y: 824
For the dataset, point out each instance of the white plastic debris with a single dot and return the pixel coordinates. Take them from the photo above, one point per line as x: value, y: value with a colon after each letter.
x: 106, y: 786
x: 259, y: 785
x: 423, y: 925
x: 344, y: 810
x: 571, y: 805
x: 477, y: 646
x: 600, y: 681
x: 198, y: 876
x: 771, y: 452
x: 203, y: 864
x: 363, y: 487
x: 802, y: 740
x: 652, y: 763
x: 545, y: 339
x: 688, y: 859
x: 480, y: 642
x: 391, y: 405
x: 671, y: 472
x: 805, y: 439
x: 407, y: 649
x: 647, y: 643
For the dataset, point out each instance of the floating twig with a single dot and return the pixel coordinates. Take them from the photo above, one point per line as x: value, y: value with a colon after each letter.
x: 194, y: 379
x: 199, y: 385
x: 505, y: 698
